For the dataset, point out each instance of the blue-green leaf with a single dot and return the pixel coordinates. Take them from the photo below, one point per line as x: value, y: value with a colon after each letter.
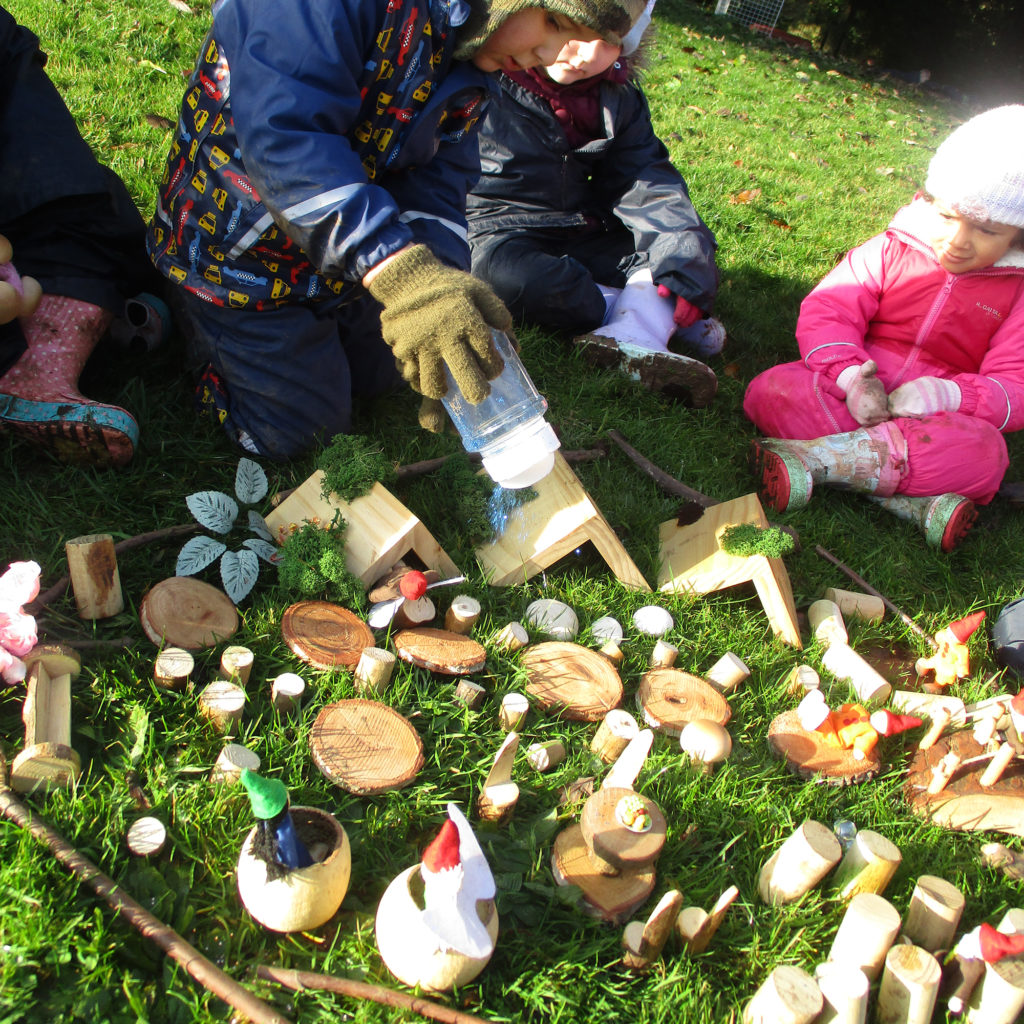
x: 250, y: 482
x: 239, y: 571
x: 213, y: 509
x: 267, y: 551
x: 197, y: 553
x: 258, y: 526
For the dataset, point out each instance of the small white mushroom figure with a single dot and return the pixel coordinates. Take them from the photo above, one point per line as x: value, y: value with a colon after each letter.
x: 436, y: 924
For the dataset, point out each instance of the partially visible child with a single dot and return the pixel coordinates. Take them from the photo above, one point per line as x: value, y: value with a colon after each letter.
x: 912, y: 349
x: 581, y: 223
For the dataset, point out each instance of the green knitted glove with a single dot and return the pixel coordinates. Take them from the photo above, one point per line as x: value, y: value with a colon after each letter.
x: 435, y: 315
x: 432, y: 416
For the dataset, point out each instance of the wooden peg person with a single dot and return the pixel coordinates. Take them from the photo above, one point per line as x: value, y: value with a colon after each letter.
x: 469, y: 693
x: 172, y: 668
x: 146, y: 837
x: 727, y: 673
x: 910, y: 986
x: 221, y: 703
x: 664, y: 654
x: 613, y: 734
x: 788, y: 996
x: 232, y: 761
x: 697, y: 927
x: 510, y: 638
x: 498, y: 797
x: 868, y: 865
x: 933, y: 914
x: 802, y: 861
x: 95, y: 580
x: 644, y: 940
x: 802, y: 680
x: 545, y: 756
x: 462, y: 615
x: 845, y: 991
x: 866, y: 933
x: 236, y: 665
x: 514, y: 708
x: 940, y: 720
x: 286, y: 692
x: 826, y: 622
x: 373, y: 671
x: 943, y: 772
x: 1000, y: 762
x: 855, y: 605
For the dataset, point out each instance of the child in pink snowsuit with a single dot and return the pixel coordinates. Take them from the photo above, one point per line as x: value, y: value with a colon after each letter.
x: 912, y: 349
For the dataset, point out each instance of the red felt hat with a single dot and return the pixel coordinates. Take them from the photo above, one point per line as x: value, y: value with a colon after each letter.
x: 886, y: 723
x: 963, y: 628
x: 995, y: 945
x: 1017, y: 704
x: 413, y: 585
x: 443, y: 852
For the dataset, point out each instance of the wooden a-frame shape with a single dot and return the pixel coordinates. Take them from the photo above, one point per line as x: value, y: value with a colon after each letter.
x: 381, y: 530
x: 692, y: 561
x: 540, y: 532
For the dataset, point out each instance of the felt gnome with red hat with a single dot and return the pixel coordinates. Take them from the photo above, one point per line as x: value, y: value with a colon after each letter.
x: 951, y: 660
x: 980, y: 946
x: 436, y: 924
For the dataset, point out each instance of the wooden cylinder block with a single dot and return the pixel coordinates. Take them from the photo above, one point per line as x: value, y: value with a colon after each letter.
x: 727, y: 673
x: 1012, y: 922
x: 933, y: 914
x: 373, y: 671
x: 511, y: 637
x: 221, y: 704
x: 846, y: 664
x: 146, y: 837
x: 172, y: 668
x: 855, y: 605
x: 664, y: 654
x: 612, y: 651
x: 826, y: 622
x: 469, y: 693
x: 910, y: 986
x: 799, y: 864
x: 92, y: 566
x: 802, y: 680
x: 845, y: 991
x: 236, y: 665
x: 514, y: 708
x: 286, y: 692
x: 868, y: 865
x: 999, y: 996
x: 866, y: 933
x: 613, y: 734
x: 788, y: 996
x: 462, y: 614
x: 1000, y: 762
x: 231, y: 761
x: 544, y: 756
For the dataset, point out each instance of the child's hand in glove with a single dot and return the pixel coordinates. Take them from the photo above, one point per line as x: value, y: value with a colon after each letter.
x: 865, y: 394
x: 925, y: 396
x: 686, y: 313
x: 435, y: 316
x: 19, y: 296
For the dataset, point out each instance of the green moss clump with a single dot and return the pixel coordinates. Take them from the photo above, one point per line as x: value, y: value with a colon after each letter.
x: 312, y: 565
x: 746, y: 539
x: 352, y: 465
x: 480, y: 513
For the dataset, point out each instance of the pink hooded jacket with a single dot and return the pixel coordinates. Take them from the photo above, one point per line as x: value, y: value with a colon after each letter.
x: 890, y: 300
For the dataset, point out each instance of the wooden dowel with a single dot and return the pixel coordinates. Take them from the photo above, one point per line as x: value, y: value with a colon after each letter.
x: 727, y: 673
x: 231, y: 761
x: 999, y: 763
x: 845, y: 990
x: 222, y: 704
x: 469, y: 693
x: 511, y: 637
x: 933, y: 914
x: 868, y: 865
x: 847, y: 665
x: 866, y: 933
x: 286, y: 692
x: 514, y: 708
x: 172, y: 668
x: 644, y: 940
x: 146, y: 837
x: 940, y: 720
x: 544, y: 756
x: 868, y: 607
x: 664, y: 654
x: 910, y: 986
x: 826, y: 622
x: 374, y: 670
x: 92, y: 566
x: 613, y: 734
x: 998, y: 997
x: 799, y: 864
x: 802, y: 680
x: 942, y: 773
x: 462, y: 615
x: 788, y: 996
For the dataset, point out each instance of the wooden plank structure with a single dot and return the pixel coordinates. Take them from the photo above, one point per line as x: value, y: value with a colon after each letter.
x: 381, y: 530
x: 540, y: 532
x: 693, y: 562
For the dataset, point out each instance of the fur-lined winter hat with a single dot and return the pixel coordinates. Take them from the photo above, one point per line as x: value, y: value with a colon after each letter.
x: 979, y: 169
x: 611, y: 18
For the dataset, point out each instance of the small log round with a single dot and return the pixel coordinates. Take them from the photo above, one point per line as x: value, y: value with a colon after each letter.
x: 613, y: 735
x: 172, y: 668
x: 462, y: 614
x: 910, y: 986
x: 868, y: 865
x: 612, y: 842
x: 571, y: 680
x: 802, y: 680
x: 374, y: 670
x: 236, y: 665
x: 855, y: 605
x: 788, y: 996
x: 510, y: 638
x: 545, y: 756
x: 469, y: 693
x: 846, y: 664
x: 414, y: 614
x: 496, y: 803
x: 286, y: 692
x: 440, y: 650
x: 664, y: 654
x: 845, y: 990
x: 182, y: 611
x: 866, y: 933
x: 146, y: 837
x: 231, y: 761
x: 999, y: 996
x: 514, y: 708
x: 826, y: 622
x: 933, y: 914
x: 802, y: 861
x: 221, y: 703
x: 727, y: 673
x: 92, y: 566
x: 670, y: 698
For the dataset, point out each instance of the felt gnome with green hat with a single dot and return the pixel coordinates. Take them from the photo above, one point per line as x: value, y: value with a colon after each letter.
x: 277, y: 843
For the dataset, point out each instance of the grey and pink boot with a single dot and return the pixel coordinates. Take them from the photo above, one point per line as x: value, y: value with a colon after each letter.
x: 944, y: 519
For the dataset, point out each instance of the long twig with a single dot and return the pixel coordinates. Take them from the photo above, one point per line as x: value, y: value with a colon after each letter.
x: 662, y: 479
x: 206, y: 973
x: 868, y: 589
x: 299, y: 980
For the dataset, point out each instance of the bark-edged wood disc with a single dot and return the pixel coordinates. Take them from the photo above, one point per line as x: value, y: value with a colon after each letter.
x: 670, y: 699
x: 964, y: 804
x: 571, y: 680
x: 365, y: 747
x: 809, y: 756
x: 325, y: 635
x: 440, y: 650
x: 611, y: 840
x: 185, y: 612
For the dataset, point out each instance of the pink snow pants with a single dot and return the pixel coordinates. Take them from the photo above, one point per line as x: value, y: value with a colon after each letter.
x: 945, y: 452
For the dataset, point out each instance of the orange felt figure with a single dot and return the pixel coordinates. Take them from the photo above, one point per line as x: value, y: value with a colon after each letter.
x: 851, y: 726
x: 951, y: 660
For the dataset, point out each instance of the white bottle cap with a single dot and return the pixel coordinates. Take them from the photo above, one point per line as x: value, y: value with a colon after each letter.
x: 523, y: 456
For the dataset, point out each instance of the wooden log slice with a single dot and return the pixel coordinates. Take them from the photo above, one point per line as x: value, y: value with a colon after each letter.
x: 325, y: 635
x: 365, y: 747
x: 670, y: 699
x: 185, y: 612
x: 571, y: 680
x: 610, y: 897
x: 440, y: 650
x: 611, y: 840
x: 965, y: 804
x: 809, y: 756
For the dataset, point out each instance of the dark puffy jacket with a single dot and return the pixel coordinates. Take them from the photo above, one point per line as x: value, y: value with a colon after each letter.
x: 316, y: 138
x: 531, y: 178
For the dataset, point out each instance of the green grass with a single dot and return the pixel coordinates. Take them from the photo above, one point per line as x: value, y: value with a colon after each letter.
x: 833, y: 154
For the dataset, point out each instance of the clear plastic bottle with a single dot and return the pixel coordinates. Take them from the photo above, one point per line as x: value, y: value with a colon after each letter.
x: 507, y: 428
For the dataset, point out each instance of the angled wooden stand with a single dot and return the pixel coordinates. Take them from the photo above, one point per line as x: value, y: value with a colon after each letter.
x: 540, y: 532
x: 692, y: 561
x: 381, y: 530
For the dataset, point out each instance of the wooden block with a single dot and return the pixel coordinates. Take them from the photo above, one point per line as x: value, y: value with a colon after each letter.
x: 866, y: 932
x: 727, y: 673
x: 92, y: 566
x: 469, y: 693
x: 172, y: 668
x: 236, y: 665
x: 381, y: 531
x: 910, y: 986
x: 231, y: 761
x: 540, y: 532
x: 617, y: 728
x: 933, y: 914
x: 286, y: 692
x: 545, y: 756
x: 146, y: 837
x: 374, y: 670
x: 664, y: 654
x: 693, y: 562
x: 499, y: 794
x: 868, y: 865
x: 826, y: 622
x: 845, y: 991
x: 644, y: 940
x: 999, y: 996
x: 697, y: 928
x: 787, y: 996
x: 802, y: 861
x: 847, y: 665
x: 221, y: 703
x: 853, y: 604
x: 462, y: 614
x: 514, y: 708
x: 510, y: 638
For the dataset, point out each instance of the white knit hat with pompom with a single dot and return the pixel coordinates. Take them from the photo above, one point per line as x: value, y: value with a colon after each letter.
x: 979, y: 169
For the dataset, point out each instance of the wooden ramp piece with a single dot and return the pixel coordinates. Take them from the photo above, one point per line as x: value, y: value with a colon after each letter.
x: 693, y: 562
x: 381, y: 530
x: 540, y: 532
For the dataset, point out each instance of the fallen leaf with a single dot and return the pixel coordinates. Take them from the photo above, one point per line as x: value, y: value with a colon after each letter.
x: 722, y: 112
x: 884, y: 170
x: 748, y: 195
x: 159, y: 121
x: 144, y: 63
x: 180, y: 5
x: 780, y: 224
x: 732, y: 370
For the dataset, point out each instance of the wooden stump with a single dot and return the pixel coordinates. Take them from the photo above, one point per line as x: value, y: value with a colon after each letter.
x: 826, y: 622
x: 511, y: 637
x: 868, y: 865
x: 325, y: 635
x: 172, y: 668
x: 855, y: 605
x: 866, y: 933
x: 697, y: 927
x: 644, y: 940
x: 788, y: 996
x: 545, y: 756
x: 186, y: 612
x: 236, y: 665
x: 727, y: 673
x: 514, y: 709
x: 286, y: 692
x: 669, y: 699
x: 231, y: 762
x: 934, y: 914
x: 664, y: 654
x: 222, y: 704
x: 374, y: 671
x: 808, y: 754
x: 802, y: 861
x: 570, y: 680
x: 462, y: 614
x: 617, y: 728
x: 92, y: 566
x: 440, y: 650
x: 469, y: 693
x: 910, y: 986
